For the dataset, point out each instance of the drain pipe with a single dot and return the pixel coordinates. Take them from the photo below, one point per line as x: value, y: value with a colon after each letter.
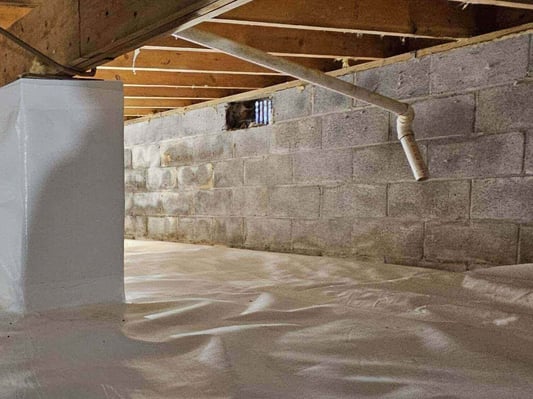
x: 404, y: 111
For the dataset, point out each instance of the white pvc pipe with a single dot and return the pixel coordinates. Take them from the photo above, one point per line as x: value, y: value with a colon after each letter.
x: 404, y: 111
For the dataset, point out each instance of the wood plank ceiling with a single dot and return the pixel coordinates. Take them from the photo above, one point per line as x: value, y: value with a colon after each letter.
x: 167, y: 73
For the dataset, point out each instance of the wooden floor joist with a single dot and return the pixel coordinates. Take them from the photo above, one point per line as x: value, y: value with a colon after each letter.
x: 520, y: 4
x: 173, y: 92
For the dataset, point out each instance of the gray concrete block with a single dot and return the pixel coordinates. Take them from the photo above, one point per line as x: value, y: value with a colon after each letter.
x: 294, y: 202
x: 431, y: 199
x: 292, y: 103
x: 185, y: 229
x: 149, y: 204
x: 161, y: 178
x: 217, y: 202
x: 252, y: 142
x: 355, y: 128
x: 475, y: 242
x: 380, y: 238
x: 322, y: 237
x: 528, y: 162
x: 328, y: 101
x: 196, y: 177
x: 399, y: 80
x: 213, y: 147
x: 268, y: 171
x: 442, y: 117
x: 360, y: 200
x: 250, y: 201
x: 128, y: 202
x: 177, y: 204
x: 505, y: 109
x: 229, y: 173
x: 229, y: 231
x: 203, y: 230
x: 145, y: 156
x: 382, y: 164
x: 323, y: 166
x: 162, y: 228
x: 508, y: 198
x: 177, y: 152
x: 268, y: 234
x: 135, y: 226
x: 127, y: 158
x: 207, y: 120
x: 486, y: 64
x: 135, y: 179
x: 300, y: 135
x: 526, y: 244
x: 483, y: 156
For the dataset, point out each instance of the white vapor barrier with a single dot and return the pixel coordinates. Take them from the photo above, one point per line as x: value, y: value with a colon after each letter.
x: 61, y: 193
x: 213, y: 322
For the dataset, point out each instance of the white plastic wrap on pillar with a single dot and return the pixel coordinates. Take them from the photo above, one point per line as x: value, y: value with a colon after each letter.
x: 61, y: 194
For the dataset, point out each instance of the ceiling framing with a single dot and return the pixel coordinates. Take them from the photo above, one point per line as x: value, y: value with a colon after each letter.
x: 165, y: 73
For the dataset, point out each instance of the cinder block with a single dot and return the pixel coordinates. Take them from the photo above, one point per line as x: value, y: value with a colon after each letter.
x: 292, y: 103
x: 252, y: 142
x: 505, y: 109
x: 152, y: 131
x: 162, y: 228
x: 432, y: 199
x: 229, y: 173
x: 209, y: 120
x: 250, y: 201
x: 229, y: 231
x: 323, y: 166
x: 268, y: 171
x: 185, y: 229
x: 528, y: 162
x: 294, y: 202
x: 135, y: 179
x: 127, y: 158
x: 399, y: 80
x: 213, y: 147
x: 510, y: 198
x: 217, y: 202
x: 161, y: 178
x: 134, y: 134
x: 322, y: 237
x: 380, y: 238
x: 486, y: 64
x: 483, y: 156
x: 203, y: 230
x: 149, y: 204
x: 196, y: 177
x: 475, y: 242
x: 300, y: 135
x: 268, y: 234
x: 128, y: 202
x: 442, y: 117
x: 135, y: 226
x: 355, y: 128
x: 360, y: 200
x: 177, y: 204
x: 328, y: 101
x: 177, y: 152
x: 382, y: 164
x: 145, y: 156
x: 526, y: 244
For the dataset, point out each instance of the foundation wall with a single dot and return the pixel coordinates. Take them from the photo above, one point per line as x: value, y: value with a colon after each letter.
x: 329, y: 177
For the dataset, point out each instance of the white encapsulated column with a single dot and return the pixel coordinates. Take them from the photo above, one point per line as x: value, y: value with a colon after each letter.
x: 61, y: 194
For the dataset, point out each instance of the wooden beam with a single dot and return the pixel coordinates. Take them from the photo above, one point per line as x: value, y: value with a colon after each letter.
x: 96, y: 31
x: 12, y: 11
x: 174, y: 92
x: 410, y: 18
x: 153, y: 104
x: 193, y: 80
x: 204, y: 62
x: 521, y: 4
x: 144, y: 111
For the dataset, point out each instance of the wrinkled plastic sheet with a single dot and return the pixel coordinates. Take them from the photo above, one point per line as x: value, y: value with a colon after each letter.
x: 212, y: 322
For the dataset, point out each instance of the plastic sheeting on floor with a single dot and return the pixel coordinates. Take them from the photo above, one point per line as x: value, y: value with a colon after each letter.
x: 212, y: 322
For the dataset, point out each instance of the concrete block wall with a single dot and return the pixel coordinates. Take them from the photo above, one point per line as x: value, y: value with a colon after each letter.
x: 329, y: 177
